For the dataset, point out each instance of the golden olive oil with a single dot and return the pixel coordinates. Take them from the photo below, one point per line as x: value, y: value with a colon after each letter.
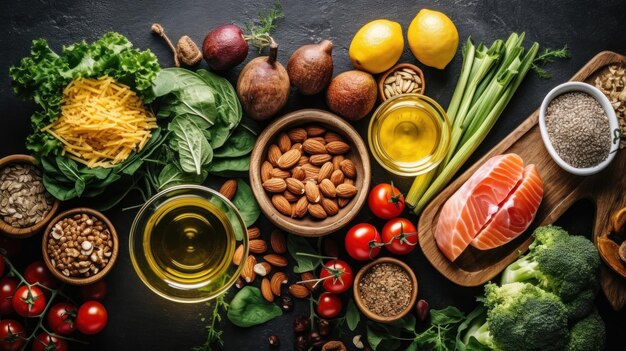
x: 188, y: 242
x: 409, y: 134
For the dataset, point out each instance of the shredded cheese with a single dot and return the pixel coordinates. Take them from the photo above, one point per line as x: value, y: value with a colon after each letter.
x: 102, y: 122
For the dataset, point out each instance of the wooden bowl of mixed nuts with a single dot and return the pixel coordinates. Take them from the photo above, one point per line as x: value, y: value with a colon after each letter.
x: 25, y: 205
x: 310, y: 172
x: 80, y: 246
x: 385, y: 290
x: 403, y: 78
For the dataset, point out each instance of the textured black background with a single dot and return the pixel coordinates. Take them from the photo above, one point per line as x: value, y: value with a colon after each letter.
x: 140, y: 320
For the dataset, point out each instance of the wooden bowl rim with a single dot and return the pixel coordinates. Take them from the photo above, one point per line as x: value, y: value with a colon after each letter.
x: 33, y: 229
x: 359, y: 301
x: 381, y: 80
x: 301, y: 117
x: 609, y: 249
x: 97, y: 276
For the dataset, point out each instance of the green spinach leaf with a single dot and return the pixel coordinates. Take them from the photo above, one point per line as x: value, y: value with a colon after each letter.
x: 172, y: 175
x: 240, y: 143
x: 227, y: 166
x: 298, y: 245
x: 245, y: 202
x: 194, y: 150
x: 248, y: 308
x: 228, y: 105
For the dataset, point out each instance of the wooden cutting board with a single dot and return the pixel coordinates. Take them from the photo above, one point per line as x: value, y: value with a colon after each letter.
x: 606, y: 189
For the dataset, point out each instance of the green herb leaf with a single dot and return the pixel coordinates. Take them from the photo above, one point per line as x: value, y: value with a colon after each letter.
x: 448, y: 315
x: 194, y: 150
x: 245, y: 202
x: 382, y: 337
x: 297, y: 244
x: 259, y: 33
x: 352, y: 315
x: 248, y: 308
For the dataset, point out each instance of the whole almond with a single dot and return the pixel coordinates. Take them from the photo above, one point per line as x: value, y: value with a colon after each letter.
x: 314, y: 130
x: 337, y: 148
x: 325, y: 172
x: 298, y: 173
x: 348, y: 168
x: 266, y: 171
x: 273, y: 154
x: 303, y: 160
x: 247, y: 271
x: 317, y: 211
x: 310, y: 171
x: 262, y: 269
x: 254, y: 233
x: 327, y: 188
x: 290, y: 196
x: 346, y: 190
x: 266, y: 290
x: 229, y: 188
x: 275, y: 185
x: 306, y: 279
x: 238, y: 255
x: 281, y: 204
x: 320, y: 139
x: 297, y: 135
x: 297, y: 146
x: 298, y: 291
x: 313, y: 147
x: 348, y: 181
x: 301, y: 207
x: 278, y: 279
x: 276, y: 260
x: 320, y: 159
x: 342, y: 202
x: 312, y: 192
x: 279, y: 173
x: 330, y: 206
x: 278, y: 242
x: 337, y: 161
x: 295, y: 186
x: 289, y: 159
x: 284, y: 143
x: 257, y: 246
x: 337, y: 177
x: 332, y: 136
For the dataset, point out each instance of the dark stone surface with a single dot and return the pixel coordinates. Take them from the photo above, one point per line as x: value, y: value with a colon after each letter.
x: 140, y: 320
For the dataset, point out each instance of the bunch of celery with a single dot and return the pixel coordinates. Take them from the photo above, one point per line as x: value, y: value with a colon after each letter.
x: 489, y: 78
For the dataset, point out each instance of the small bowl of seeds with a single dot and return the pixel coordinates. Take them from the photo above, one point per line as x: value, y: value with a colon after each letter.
x: 403, y: 78
x: 385, y: 290
x: 25, y: 205
x: 579, y: 128
x: 80, y: 246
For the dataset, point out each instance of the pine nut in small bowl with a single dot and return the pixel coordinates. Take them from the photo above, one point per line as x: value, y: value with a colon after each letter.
x: 403, y: 78
x: 80, y: 246
x: 25, y: 205
x: 579, y: 128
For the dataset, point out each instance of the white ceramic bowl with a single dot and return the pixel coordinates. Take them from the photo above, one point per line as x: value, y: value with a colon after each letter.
x: 608, y: 109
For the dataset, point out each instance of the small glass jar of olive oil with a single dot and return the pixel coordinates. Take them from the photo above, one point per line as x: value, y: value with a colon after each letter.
x: 409, y: 134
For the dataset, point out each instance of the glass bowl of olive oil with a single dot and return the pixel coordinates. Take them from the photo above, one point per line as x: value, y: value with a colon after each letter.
x: 182, y: 243
x: 409, y: 134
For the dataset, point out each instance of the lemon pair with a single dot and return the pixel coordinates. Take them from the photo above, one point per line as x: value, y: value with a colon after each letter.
x: 432, y: 36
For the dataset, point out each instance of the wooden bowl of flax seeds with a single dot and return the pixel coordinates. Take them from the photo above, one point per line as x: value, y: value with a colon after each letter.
x: 80, y: 246
x: 25, y: 205
x: 385, y: 290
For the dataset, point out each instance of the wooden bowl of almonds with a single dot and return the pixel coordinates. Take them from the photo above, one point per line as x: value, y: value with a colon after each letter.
x: 80, y: 246
x: 25, y: 205
x: 403, y: 78
x: 310, y: 172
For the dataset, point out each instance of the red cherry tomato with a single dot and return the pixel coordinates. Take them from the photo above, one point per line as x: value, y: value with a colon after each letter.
x: 359, y: 241
x: 37, y: 272
x: 11, y: 335
x: 96, y: 291
x: 7, y: 290
x: 92, y: 318
x: 400, y: 235
x: 61, y: 318
x: 328, y: 305
x: 337, y: 276
x: 29, y: 301
x: 386, y: 201
x: 46, y: 342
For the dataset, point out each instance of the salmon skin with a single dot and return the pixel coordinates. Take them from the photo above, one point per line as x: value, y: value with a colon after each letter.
x: 471, y: 207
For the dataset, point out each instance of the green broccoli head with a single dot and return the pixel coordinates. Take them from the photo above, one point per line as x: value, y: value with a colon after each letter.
x: 589, y: 334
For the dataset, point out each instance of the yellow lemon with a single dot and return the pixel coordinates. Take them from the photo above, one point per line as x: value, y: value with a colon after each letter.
x: 377, y: 46
x: 433, y: 38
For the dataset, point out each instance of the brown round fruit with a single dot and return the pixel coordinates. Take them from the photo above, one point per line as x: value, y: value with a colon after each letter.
x: 224, y: 47
x: 310, y: 67
x: 352, y: 94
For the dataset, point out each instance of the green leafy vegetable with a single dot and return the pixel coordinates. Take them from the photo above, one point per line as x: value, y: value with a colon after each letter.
x: 193, y: 148
x: 172, y: 175
x: 546, y: 57
x: 240, y: 143
x: 245, y: 203
x: 228, y: 166
x: 248, y: 308
x: 306, y: 257
x: 214, y: 333
x: 352, y: 315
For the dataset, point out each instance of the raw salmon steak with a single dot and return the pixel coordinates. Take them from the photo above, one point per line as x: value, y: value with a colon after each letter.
x: 515, y: 214
x: 468, y: 210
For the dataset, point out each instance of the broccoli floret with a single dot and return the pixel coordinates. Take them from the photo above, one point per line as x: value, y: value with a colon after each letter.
x: 566, y: 265
x: 589, y: 334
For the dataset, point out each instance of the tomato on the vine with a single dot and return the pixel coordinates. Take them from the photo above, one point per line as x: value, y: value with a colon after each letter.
x: 328, y: 305
x: 61, y: 318
x: 37, y: 272
x: 96, y: 291
x: 7, y: 290
x: 386, y: 201
x: 12, y: 335
x: 337, y: 276
x: 399, y: 236
x: 92, y: 318
x: 29, y: 301
x: 362, y: 242
x: 47, y: 342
